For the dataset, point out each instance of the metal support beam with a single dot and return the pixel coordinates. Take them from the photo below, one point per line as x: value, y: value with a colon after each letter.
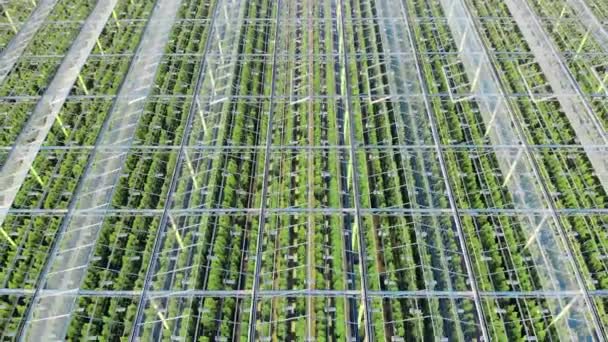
x: 294, y: 210
x: 512, y: 168
x: 536, y: 230
x: 305, y: 293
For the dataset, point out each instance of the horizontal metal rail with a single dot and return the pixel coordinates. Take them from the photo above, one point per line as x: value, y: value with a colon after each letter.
x: 422, y: 294
x: 288, y: 56
x: 261, y: 20
x: 294, y: 210
x: 293, y: 98
x: 280, y: 148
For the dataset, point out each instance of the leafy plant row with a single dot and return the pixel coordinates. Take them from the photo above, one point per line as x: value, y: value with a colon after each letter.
x: 307, y: 251
x: 212, y: 251
x: 222, y: 248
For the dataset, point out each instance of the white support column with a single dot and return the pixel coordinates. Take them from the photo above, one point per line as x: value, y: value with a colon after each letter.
x: 538, y: 197
x: 21, y: 40
x: 51, y: 316
x: 10, y: 19
x: 583, y: 42
x: 175, y: 230
x: 591, y: 22
x: 602, y: 81
x: 564, y: 312
x: 490, y: 122
x: 512, y: 168
x: 581, y: 117
x: 476, y: 79
x: 201, y: 115
x: 536, y: 230
x: 191, y: 170
x: 28, y: 143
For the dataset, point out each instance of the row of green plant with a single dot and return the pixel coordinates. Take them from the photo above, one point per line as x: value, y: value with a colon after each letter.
x: 306, y: 251
x: 216, y: 251
x: 293, y: 325
x: 37, y: 66
x: 232, y: 179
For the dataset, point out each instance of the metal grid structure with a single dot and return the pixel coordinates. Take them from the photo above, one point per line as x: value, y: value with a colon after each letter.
x: 336, y: 170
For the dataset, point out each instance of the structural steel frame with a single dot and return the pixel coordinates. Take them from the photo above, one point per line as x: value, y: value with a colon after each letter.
x: 506, y: 136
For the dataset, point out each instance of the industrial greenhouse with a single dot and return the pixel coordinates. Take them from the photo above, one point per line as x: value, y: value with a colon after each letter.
x: 303, y: 170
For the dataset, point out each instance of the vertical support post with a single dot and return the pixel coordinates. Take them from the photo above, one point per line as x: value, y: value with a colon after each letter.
x: 559, y: 19
x: 602, y: 85
x: 191, y: 170
x: 564, y: 311
x: 115, y: 16
x: 201, y: 115
x: 513, y: 166
x: 63, y: 129
x: 178, y: 237
x: 99, y: 46
x: 537, y: 229
x: 82, y: 84
x: 462, y: 40
x: 7, y: 237
x: 36, y: 176
x: 10, y: 20
x: 490, y: 123
x: 583, y: 42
